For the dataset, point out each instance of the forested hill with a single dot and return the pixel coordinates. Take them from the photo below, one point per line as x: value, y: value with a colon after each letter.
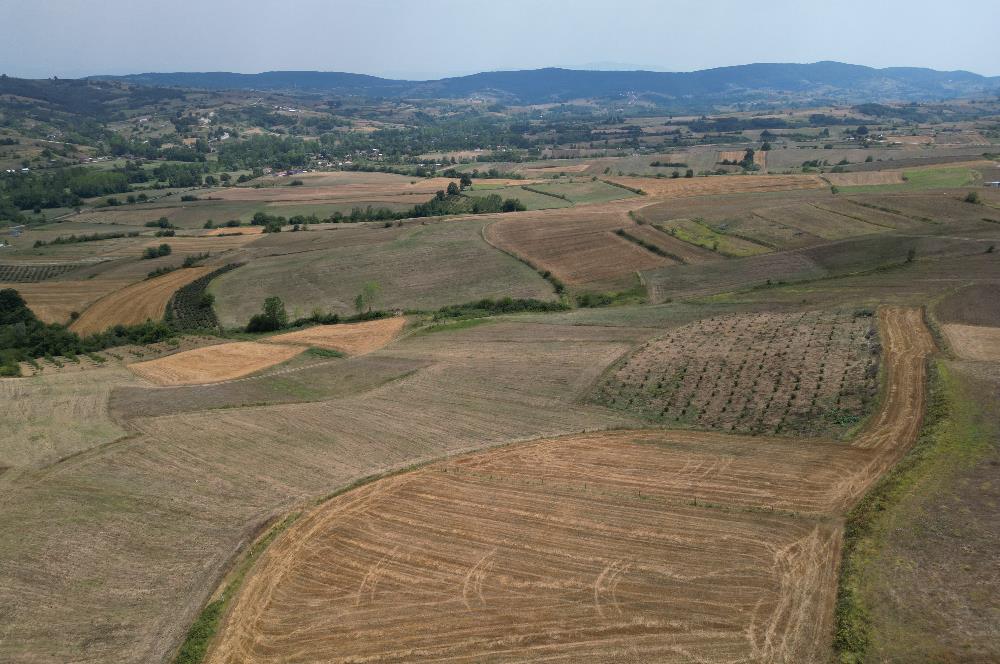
x: 832, y: 80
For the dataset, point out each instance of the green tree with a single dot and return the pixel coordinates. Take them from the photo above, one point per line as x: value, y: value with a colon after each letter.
x: 453, y: 189
x: 367, y: 297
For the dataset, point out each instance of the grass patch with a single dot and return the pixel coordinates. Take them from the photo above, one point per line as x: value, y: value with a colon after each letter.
x: 452, y: 326
x: 949, y: 439
x: 316, y: 351
x: 918, y: 180
x: 195, y: 645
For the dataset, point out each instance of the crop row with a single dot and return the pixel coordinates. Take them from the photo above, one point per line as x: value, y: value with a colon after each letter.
x: 813, y: 373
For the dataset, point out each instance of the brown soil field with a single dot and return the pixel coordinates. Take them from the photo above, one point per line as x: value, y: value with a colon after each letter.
x: 214, y: 364
x: 647, y: 546
x: 719, y: 184
x: 136, y: 303
x: 197, y: 244
x: 360, y: 191
x: 977, y: 304
x: 864, y: 178
x: 811, y: 373
x: 973, y: 342
x: 910, y: 140
x: 816, y: 221
x: 578, y: 245
x: 54, y: 301
x: 581, y: 549
x: 242, y: 230
x: 353, y: 338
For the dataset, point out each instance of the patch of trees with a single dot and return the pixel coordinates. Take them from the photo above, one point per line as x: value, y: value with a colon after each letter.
x: 491, y: 307
x: 281, y: 152
x: 91, y: 237
x: 180, y: 175
x: 668, y: 164
x: 191, y: 306
x: 156, y: 252
x: 64, y: 187
x: 24, y: 337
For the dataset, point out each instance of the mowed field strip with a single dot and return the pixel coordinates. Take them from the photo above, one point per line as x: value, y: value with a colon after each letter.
x: 974, y: 342
x: 228, y: 361
x: 621, y: 546
x: 136, y: 303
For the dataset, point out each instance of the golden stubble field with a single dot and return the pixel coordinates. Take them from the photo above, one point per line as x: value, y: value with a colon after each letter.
x: 627, y: 545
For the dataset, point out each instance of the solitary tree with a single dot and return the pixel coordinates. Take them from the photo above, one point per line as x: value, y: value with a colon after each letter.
x: 453, y: 189
x: 367, y: 297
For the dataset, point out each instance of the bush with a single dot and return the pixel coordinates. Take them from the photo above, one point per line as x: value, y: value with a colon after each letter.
x: 972, y: 197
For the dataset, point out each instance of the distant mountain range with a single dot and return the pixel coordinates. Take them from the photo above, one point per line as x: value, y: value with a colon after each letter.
x: 744, y: 83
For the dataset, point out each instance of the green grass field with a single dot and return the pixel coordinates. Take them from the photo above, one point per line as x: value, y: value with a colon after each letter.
x: 921, y: 179
x: 582, y: 192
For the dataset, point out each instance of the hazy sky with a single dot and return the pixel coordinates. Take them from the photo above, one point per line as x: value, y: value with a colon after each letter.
x: 432, y: 38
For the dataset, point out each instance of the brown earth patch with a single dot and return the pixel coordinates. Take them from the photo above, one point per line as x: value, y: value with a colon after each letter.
x: 719, y: 184
x: 353, y: 338
x: 213, y: 364
x: 974, y: 342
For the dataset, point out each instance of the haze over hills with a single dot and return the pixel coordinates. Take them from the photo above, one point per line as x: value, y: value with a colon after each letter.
x: 743, y: 83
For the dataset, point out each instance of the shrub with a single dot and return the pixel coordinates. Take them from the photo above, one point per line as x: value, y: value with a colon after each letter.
x: 972, y: 197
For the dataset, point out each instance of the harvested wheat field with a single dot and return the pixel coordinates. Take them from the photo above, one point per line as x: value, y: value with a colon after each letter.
x: 630, y: 545
x: 719, y: 184
x: 135, y: 304
x: 353, y: 338
x: 239, y: 230
x: 864, y: 178
x: 578, y: 245
x: 974, y: 342
x: 213, y: 364
x: 323, y: 188
x: 54, y: 301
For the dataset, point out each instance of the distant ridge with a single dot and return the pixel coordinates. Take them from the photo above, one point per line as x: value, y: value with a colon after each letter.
x: 753, y: 82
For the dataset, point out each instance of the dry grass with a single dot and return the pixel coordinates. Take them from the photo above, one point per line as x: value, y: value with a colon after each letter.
x: 241, y: 230
x: 719, y: 184
x: 354, y: 339
x: 146, y: 300
x: 864, y: 178
x: 214, y: 363
x: 974, y: 342
x: 54, y: 301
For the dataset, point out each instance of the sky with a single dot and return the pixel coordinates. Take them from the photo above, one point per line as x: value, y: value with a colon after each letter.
x: 422, y: 39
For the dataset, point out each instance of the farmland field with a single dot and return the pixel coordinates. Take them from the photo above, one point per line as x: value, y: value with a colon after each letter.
x: 135, y: 303
x: 522, y: 549
x: 418, y: 267
x: 667, y: 409
x: 807, y: 374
